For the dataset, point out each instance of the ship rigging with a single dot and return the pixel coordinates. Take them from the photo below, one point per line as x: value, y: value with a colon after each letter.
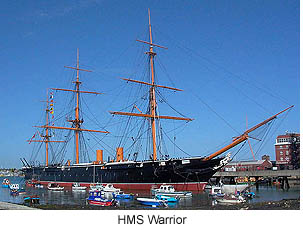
x: 190, y: 173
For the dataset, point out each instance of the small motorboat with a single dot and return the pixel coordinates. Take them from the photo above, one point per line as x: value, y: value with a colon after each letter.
x: 15, y: 190
x: 122, y: 195
x: 216, y: 192
x: 169, y: 190
x: 110, y: 188
x: 169, y: 199
x: 30, y: 183
x: 231, y: 199
x: 14, y: 186
x: 21, y: 191
x: 96, y: 198
x: 38, y: 185
x: 96, y: 187
x: 78, y: 187
x: 5, y: 183
x: 234, y: 188
x: 101, y: 202
x: 152, y: 202
x: 31, y: 199
x: 54, y: 187
x: 248, y: 194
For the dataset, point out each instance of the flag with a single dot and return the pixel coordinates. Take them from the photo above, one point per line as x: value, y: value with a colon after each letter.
x: 32, y: 138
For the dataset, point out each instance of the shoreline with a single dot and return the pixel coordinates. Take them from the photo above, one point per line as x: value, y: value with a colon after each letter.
x: 284, y: 204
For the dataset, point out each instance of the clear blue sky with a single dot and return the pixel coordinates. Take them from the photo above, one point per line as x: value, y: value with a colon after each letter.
x: 239, y: 57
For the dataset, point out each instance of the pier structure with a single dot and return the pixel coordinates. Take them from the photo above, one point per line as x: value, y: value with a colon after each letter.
x: 283, y: 176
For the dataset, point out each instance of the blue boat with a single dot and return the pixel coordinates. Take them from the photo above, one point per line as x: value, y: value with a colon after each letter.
x: 96, y: 198
x: 122, y: 195
x: 31, y: 199
x: 168, y: 198
x: 5, y: 183
x: 152, y: 202
x: 248, y: 194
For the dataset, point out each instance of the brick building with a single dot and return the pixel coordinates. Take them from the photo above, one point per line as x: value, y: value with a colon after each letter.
x: 248, y: 165
x: 287, y: 148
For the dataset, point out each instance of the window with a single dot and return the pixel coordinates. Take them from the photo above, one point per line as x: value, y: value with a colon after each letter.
x: 286, y: 152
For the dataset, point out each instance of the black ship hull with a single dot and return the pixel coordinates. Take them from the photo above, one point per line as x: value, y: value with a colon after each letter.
x: 191, y: 173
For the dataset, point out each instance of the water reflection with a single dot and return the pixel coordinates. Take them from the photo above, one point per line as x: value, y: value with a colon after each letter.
x: 264, y: 193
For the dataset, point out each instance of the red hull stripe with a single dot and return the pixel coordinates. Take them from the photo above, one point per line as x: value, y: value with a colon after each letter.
x: 191, y: 186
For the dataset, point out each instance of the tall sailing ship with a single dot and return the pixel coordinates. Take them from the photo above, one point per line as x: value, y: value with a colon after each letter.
x: 189, y: 173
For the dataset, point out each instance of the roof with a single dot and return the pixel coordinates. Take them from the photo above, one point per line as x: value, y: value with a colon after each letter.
x: 287, y: 135
x: 238, y: 163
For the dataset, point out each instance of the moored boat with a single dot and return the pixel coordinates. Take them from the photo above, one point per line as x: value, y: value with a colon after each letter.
x: 96, y: 198
x: 231, y: 199
x: 31, y: 199
x: 169, y: 199
x: 152, y: 202
x: 216, y: 191
x: 5, y: 183
x: 122, y: 195
x: 54, y: 187
x: 38, y: 185
x: 234, y: 188
x: 110, y: 188
x: 169, y: 190
x: 96, y: 187
x: 78, y: 187
x: 14, y: 186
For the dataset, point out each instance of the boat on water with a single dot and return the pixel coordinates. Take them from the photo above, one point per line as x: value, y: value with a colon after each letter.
x: 169, y: 190
x: 97, y: 198
x: 231, y: 199
x: 152, y: 202
x: 216, y: 191
x: 187, y: 173
x: 96, y: 187
x: 169, y: 199
x: 110, y: 188
x: 14, y: 186
x: 5, y: 183
x: 38, y: 185
x: 15, y: 190
x: 54, y: 187
x: 234, y: 188
x: 78, y: 187
x: 122, y: 195
x: 31, y: 199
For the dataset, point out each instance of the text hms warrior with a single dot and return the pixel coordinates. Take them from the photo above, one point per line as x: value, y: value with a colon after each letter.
x: 152, y: 219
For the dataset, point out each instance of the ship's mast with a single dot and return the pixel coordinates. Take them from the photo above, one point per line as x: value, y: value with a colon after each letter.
x: 152, y: 92
x: 46, y: 137
x: 244, y: 136
x: 76, y: 122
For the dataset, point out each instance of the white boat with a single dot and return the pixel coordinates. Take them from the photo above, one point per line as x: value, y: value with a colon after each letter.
x: 231, y: 199
x: 96, y: 187
x: 110, y: 188
x: 216, y: 191
x: 54, y: 187
x: 14, y: 186
x: 234, y: 188
x: 169, y: 190
x: 77, y: 187
x: 151, y: 202
x: 38, y: 185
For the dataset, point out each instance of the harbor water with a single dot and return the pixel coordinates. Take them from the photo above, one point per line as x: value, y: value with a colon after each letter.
x: 198, y: 200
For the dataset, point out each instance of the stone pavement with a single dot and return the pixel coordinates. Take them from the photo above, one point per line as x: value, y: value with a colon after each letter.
x: 10, y: 206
